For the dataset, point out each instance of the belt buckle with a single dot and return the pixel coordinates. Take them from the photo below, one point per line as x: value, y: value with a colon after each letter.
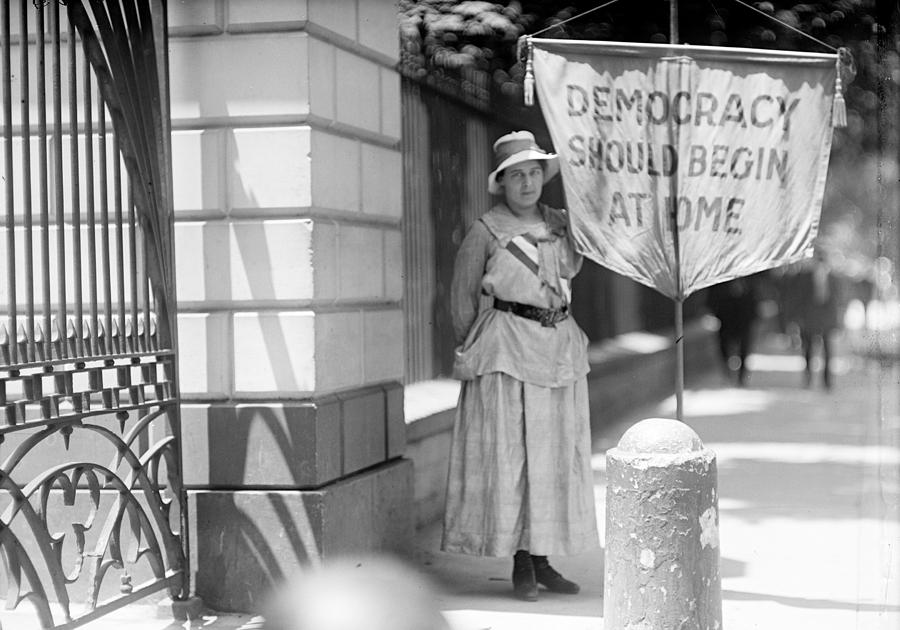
x: 549, y: 318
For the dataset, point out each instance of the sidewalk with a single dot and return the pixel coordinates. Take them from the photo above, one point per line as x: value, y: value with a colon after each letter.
x: 809, y: 513
x: 809, y: 527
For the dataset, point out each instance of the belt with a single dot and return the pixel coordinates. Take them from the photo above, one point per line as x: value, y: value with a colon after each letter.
x: 548, y: 317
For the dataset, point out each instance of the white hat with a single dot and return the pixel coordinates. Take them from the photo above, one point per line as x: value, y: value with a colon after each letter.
x: 515, y: 147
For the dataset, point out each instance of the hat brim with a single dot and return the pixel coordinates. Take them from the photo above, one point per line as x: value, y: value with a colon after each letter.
x: 551, y: 170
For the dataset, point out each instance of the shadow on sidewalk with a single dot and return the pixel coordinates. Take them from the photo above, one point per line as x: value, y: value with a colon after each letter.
x: 804, y: 602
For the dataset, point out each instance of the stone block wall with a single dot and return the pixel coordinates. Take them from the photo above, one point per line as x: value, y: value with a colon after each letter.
x: 288, y: 201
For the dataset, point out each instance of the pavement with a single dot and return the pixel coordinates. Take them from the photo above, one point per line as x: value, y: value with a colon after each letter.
x: 809, y: 500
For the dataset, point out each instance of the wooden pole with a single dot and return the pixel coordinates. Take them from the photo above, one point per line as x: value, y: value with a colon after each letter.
x: 679, y: 300
x: 679, y: 358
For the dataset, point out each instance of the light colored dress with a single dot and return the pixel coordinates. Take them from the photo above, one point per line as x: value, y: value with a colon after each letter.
x: 520, y: 465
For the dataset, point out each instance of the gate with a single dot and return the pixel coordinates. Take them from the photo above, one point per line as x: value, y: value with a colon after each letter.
x: 92, y: 511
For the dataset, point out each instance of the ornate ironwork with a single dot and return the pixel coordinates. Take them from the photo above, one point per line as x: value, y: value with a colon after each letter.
x: 92, y: 510
x: 128, y: 528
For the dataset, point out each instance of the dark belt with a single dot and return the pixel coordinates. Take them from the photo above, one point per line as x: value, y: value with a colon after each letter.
x: 548, y: 317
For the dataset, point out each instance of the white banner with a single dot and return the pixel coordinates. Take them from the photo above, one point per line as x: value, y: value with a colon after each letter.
x: 734, y: 142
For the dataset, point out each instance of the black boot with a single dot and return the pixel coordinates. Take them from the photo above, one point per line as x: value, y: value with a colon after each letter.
x: 549, y: 577
x: 524, y: 583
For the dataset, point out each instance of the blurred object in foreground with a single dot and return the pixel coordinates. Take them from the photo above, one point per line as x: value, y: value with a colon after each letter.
x: 373, y: 593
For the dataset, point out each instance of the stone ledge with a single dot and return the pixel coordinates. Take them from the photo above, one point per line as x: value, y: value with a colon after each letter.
x: 301, y: 444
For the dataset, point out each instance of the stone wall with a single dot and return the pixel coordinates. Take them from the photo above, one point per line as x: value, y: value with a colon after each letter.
x: 288, y: 195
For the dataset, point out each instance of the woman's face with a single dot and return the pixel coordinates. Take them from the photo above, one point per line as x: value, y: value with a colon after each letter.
x: 522, y: 185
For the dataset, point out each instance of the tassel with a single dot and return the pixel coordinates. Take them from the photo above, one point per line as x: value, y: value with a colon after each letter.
x: 839, y: 112
x: 528, y: 83
x: 839, y: 107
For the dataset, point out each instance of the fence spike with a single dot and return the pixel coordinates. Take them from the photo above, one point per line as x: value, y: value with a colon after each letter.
x: 122, y: 417
x: 115, y: 341
x: 140, y: 339
x: 129, y: 343
x: 87, y: 348
x: 22, y: 342
x: 66, y: 432
x: 57, y: 338
x: 39, y: 343
x: 101, y: 337
x: 4, y: 344
x: 154, y: 345
x: 71, y: 337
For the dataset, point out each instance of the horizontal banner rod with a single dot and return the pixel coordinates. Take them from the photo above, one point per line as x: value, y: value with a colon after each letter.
x: 682, y: 49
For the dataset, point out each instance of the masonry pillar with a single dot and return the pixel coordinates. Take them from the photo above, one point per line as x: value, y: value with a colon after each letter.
x: 287, y: 174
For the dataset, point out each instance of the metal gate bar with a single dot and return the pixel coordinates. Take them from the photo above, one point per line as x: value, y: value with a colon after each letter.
x: 44, y: 336
x: 8, y: 176
x: 75, y: 193
x: 87, y: 95
x: 56, y: 74
x: 24, y: 112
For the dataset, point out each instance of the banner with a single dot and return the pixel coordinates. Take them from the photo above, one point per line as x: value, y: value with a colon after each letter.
x: 731, y: 145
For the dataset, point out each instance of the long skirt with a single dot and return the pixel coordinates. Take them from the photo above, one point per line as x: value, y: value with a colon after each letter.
x: 520, y: 470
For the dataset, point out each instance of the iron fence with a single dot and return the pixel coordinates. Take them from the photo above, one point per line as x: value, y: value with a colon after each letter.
x: 91, y: 504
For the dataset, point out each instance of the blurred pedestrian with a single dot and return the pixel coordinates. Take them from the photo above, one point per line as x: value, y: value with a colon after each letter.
x: 818, y: 314
x: 520, y: 482
x: 789, y: 301
x: 734, y: 303
x: 364, y: 594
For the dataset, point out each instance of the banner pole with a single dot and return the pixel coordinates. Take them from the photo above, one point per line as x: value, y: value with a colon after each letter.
x: 673, y: 21
x: 679, y: 301
x: 679, y: 359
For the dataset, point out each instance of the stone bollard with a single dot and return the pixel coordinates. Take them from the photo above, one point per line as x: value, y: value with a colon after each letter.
x: 662, y: 537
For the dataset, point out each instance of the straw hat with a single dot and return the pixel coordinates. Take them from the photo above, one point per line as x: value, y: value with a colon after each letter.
x: 515, y: 147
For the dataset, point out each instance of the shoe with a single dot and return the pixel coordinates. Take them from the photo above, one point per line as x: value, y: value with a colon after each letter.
x: 550, y: 577
x: 523, y: 579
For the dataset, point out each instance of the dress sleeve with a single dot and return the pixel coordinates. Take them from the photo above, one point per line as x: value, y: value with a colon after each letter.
x: 576, y: 260
x: 468, y: 271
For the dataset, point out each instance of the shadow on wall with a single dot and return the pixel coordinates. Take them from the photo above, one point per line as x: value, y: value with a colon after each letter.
x: 250, y: 526
x: 240, y: 565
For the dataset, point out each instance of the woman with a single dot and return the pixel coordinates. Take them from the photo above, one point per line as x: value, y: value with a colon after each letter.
x: 520, y: 480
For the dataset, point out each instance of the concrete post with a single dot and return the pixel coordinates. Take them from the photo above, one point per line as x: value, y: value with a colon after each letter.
x: 662, y: 539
